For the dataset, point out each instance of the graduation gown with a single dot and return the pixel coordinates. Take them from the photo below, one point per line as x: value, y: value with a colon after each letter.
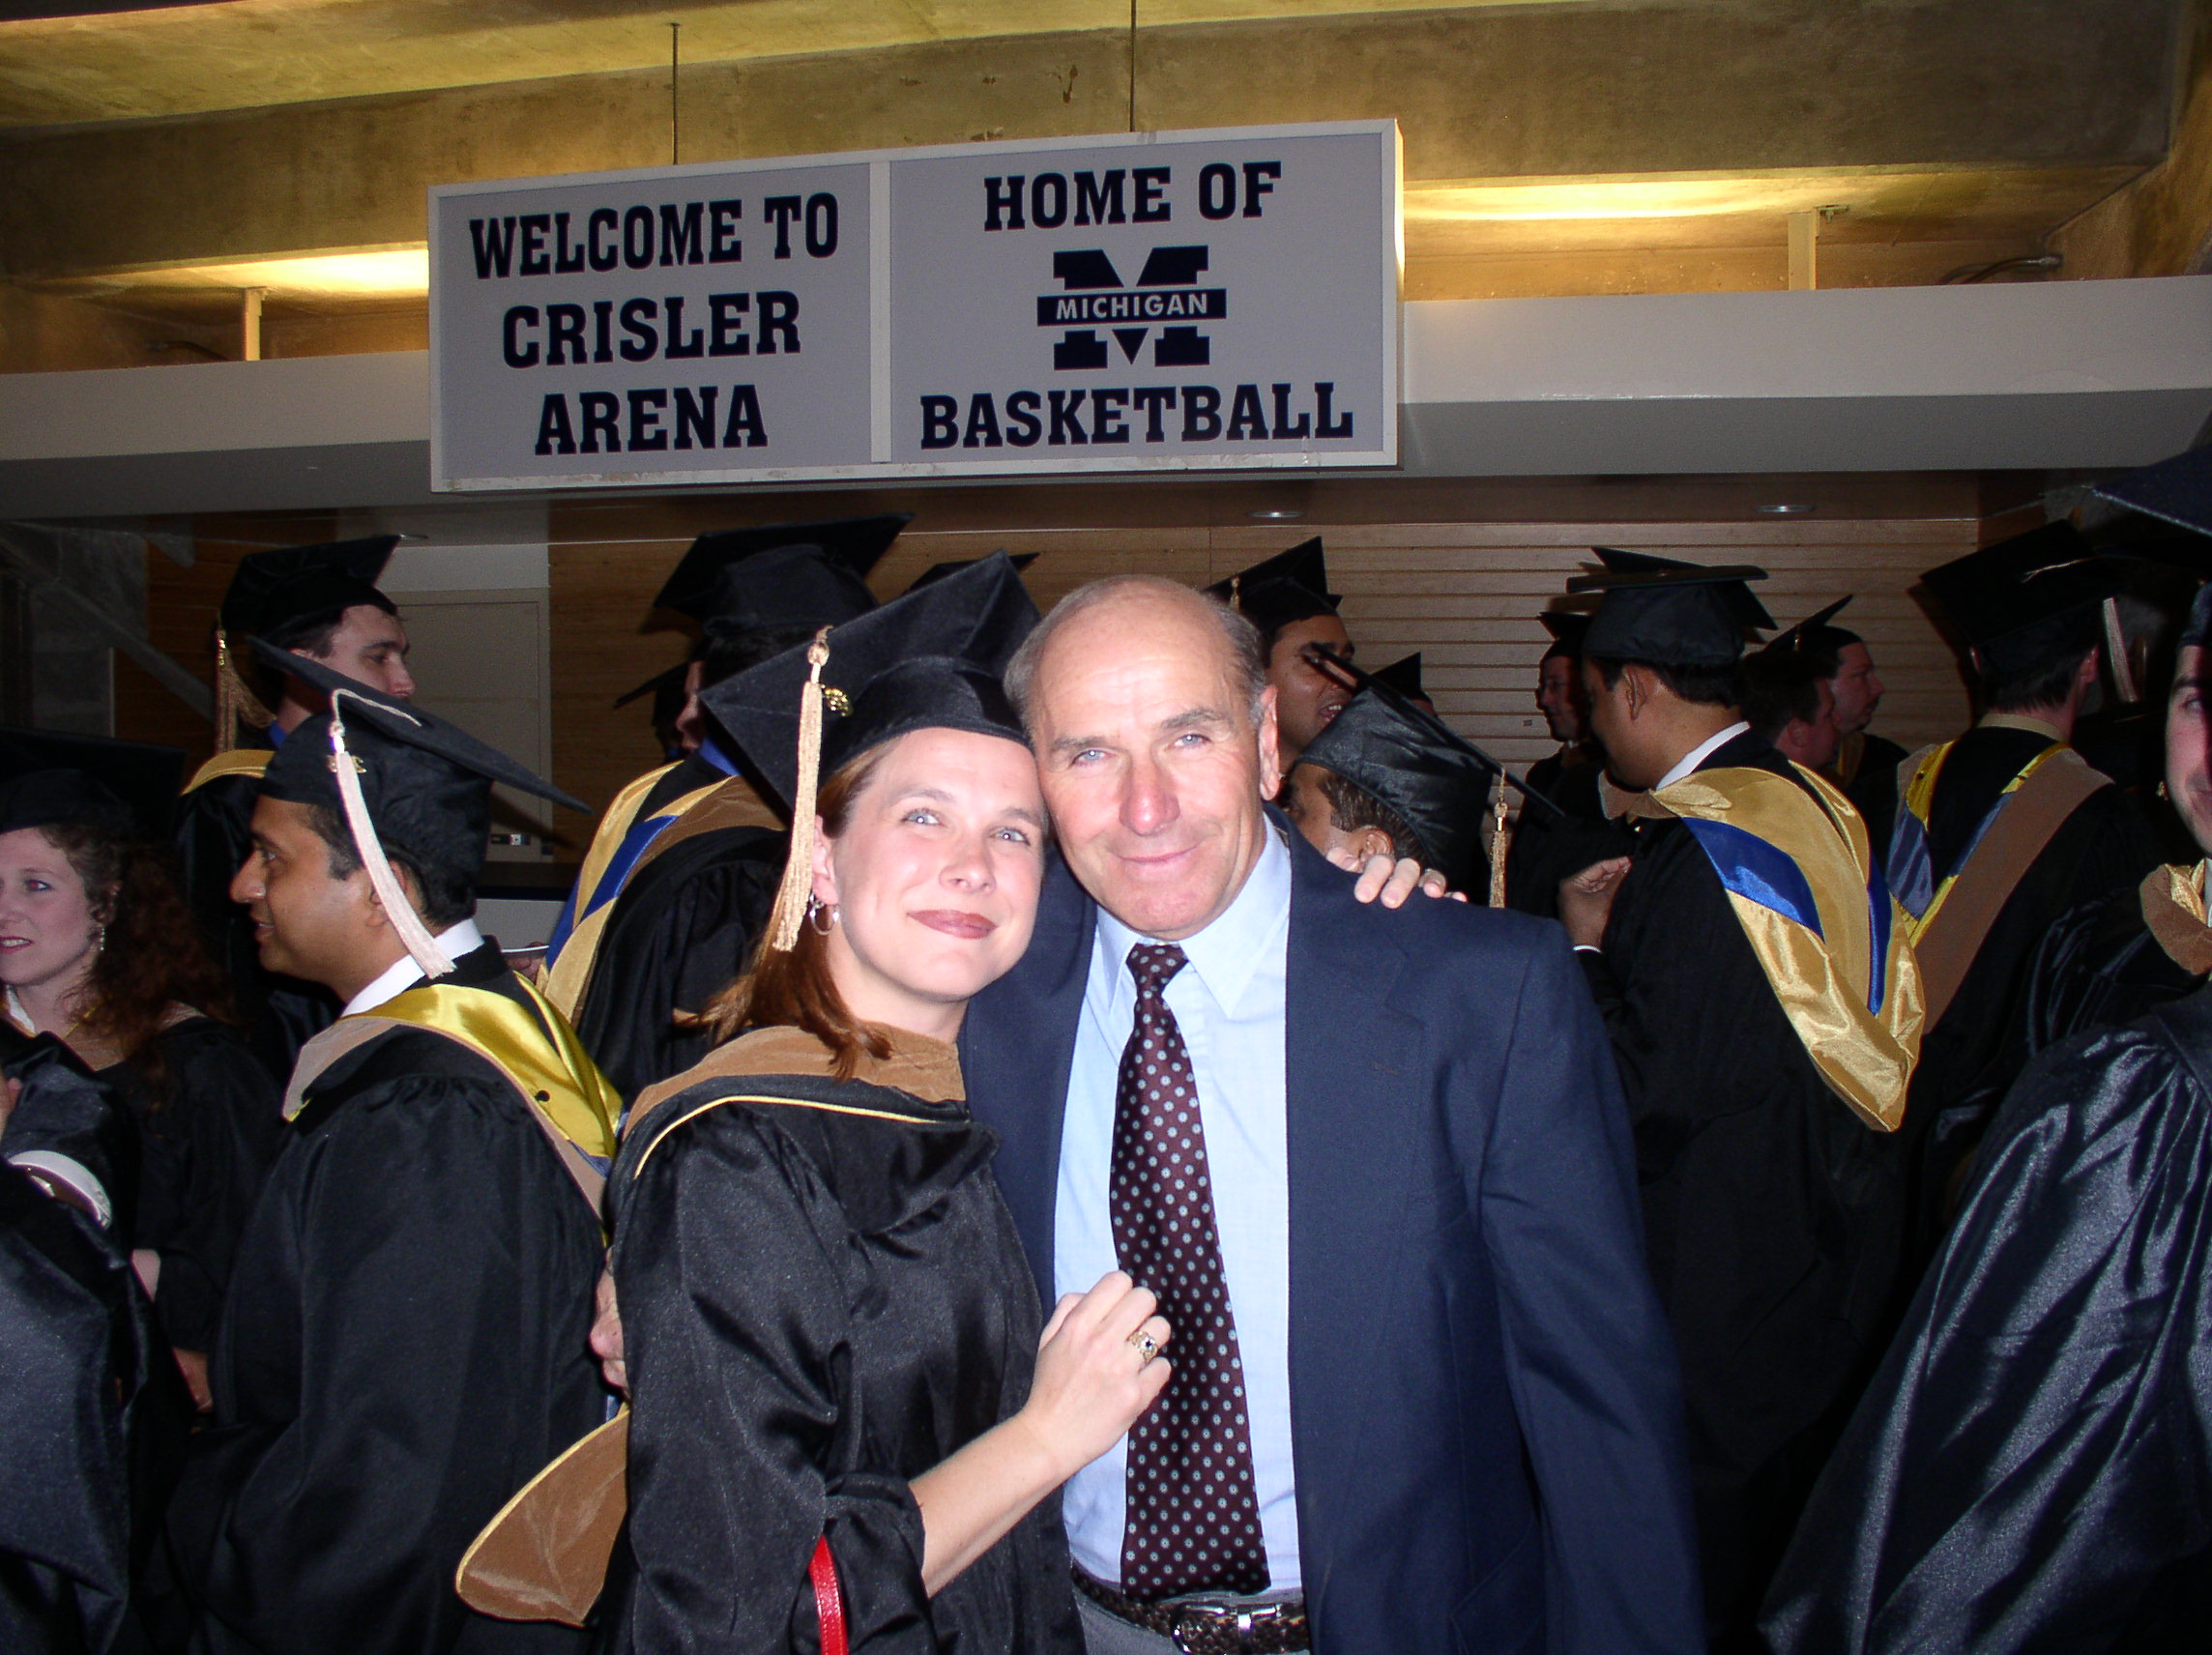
x: 403, y: 1345
x: 2104, y: 846
x: 1770, y: 1212
x: 279, y: 1013
x: 92, y: 1412
x: 1546, y: 849
x: 2032, y: 1468
x: 679, y: 930
x: 817, y: 1306
x: 1866, y: 769
x: 208, y: 1127
x: 2100, y: 966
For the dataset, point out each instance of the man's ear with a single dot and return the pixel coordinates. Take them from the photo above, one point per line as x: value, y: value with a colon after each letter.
x: 1270, y: 745
x: 1374, y: 842
x: 1636, y: 685
x: 372, y: 910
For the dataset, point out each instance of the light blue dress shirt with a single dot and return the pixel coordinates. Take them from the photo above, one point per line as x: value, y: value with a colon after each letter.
x: 1229, y: 1002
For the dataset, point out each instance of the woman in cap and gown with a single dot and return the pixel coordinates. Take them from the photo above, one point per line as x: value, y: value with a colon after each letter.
x: 842, y: 1413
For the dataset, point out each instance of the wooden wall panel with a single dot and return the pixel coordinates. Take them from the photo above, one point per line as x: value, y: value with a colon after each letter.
x: 1465, y: 594
x: 180, y: 606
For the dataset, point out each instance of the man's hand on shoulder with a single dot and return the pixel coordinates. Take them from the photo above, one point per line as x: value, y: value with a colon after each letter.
x: 1392, y: 881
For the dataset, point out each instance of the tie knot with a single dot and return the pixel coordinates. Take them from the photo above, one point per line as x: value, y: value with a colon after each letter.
x: 1153, y: 965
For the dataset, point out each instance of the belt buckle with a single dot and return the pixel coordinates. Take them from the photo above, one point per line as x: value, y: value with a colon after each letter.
x: 1220, y: 1616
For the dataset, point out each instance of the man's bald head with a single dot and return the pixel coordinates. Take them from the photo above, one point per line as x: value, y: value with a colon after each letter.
x: 1154, y: 729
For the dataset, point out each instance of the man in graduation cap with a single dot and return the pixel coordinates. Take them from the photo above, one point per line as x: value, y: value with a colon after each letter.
x: 2001, y: 830
x: 1790, y: 697
x: 404, y: 1343
x: 2029, y: 1468
x: 2116, y: 956
x: 683, y: 865
x: 1865, y: 765
x: 1764, y: 1017
x: 1380, y: 781
x: 320, y: 603
x: 1287, y: 596
x: 1547, y: 846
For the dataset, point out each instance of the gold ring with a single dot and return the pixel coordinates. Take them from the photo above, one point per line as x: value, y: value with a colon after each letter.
x: 1147, y: 1345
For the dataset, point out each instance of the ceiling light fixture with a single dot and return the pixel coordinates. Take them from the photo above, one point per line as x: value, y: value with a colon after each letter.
x: 1276, y: 514
x: 1785, y: 508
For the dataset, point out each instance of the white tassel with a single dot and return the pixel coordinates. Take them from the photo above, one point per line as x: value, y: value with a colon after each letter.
x: 421, y: 945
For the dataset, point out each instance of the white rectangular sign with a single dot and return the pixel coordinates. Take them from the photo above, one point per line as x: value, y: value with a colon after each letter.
x: 1185, y: 301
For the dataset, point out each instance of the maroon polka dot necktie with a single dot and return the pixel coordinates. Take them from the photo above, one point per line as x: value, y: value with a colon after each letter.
x: 1193, y: 1520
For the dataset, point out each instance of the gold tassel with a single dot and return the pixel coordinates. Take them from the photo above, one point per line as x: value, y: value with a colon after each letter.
x: 2116, y: 646
x: 234, y: 705
x: 1500, y: 842
x: 790, y: 910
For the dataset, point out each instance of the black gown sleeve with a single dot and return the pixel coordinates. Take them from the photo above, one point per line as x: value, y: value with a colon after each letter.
x: 743, y: 1449
x: 2027, y: 1472
x: 92, y: 1412
x: 209, y: 1134
x: 381, y: 1382
x: 680, y: 931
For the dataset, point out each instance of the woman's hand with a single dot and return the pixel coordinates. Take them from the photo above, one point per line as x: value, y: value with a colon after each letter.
x: 1092, y: 1384
x: 606, y: 1337
x: 1093, y: 1381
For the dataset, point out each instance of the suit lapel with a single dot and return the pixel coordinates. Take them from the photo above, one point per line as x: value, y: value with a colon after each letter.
x: 1345, y: 1049
x: 1017, y: 1046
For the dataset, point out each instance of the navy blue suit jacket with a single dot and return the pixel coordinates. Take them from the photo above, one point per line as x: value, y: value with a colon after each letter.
x: 1485, y: 1415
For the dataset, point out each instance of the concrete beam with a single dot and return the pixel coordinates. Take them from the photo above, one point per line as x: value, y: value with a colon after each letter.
x: 2034, y: 377
x: 1487, y: 92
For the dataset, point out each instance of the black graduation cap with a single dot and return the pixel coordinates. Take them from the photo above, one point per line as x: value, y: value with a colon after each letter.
x: 1811, y: 636
x: 1420, y: 718
x: 667, y: 682
x: 1439, y: 787
x: 125, y: 788
x: 1283, y: 590
x: 1668, y: 612
x: 929, y: 659
x: 275, y: 591
x: 1405, y: 676
x: 786, y: 574
x: 425, y: 785
x: 2178, y: 492
x: 1567, y: 627
x: 2025, y: 600
x: 936, y: 572
x: 2196, y: 630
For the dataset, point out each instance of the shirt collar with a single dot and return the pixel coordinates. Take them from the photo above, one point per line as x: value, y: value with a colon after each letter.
x: 1703, y: 751
x: 1227, y: 954
x: 454, y: 942
x: 2020, y: 721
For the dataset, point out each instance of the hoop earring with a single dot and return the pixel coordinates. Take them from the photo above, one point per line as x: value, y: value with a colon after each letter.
x: 815, y: 912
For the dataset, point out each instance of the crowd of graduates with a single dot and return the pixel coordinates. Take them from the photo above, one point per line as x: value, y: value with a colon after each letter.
x: 307, y: 1186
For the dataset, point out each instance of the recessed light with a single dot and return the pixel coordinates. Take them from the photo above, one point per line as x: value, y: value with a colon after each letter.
x: 1276, y: 514
x: 1784, y: 509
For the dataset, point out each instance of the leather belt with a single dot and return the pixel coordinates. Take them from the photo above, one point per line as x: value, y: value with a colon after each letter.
x: 1209, y: 1623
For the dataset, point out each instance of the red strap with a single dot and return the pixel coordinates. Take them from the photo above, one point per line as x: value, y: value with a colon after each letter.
x: 829, y: 1601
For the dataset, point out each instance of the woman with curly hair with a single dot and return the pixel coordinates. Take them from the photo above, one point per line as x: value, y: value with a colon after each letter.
x: 97, y: 947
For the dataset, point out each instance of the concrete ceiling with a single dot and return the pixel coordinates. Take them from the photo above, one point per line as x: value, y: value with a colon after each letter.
x: 183, y: 60
x: 1554, y: 147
